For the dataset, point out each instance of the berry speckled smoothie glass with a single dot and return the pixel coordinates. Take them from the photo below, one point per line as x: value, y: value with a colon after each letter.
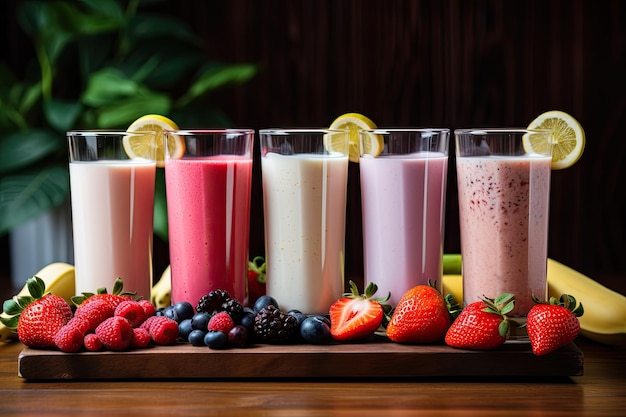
x: 504, y: 198
x: 208, y: 184
x: 305, y: 174
x: 403, y: 193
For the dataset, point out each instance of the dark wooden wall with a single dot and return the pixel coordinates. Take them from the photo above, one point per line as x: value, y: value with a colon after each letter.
x: 448, y: 63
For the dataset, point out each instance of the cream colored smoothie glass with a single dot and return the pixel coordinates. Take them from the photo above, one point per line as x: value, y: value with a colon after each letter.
x: 112, y: 198
x: 403, y: 194
x: 208, y: 183
x: 504, y: 199
x: 304, y: 176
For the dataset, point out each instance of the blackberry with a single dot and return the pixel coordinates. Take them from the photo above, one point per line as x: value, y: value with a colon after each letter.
x: 212, y: 301
x: 274, y: 326
x: 233, y: 308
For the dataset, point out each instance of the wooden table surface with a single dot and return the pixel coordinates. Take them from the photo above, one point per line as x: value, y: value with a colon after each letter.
x: 601, y: 391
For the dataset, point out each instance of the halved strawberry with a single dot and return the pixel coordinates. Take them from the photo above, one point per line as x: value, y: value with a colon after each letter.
x: 356, y: 316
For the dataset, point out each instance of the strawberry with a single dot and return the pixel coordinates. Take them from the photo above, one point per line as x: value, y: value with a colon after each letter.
x: 115, y: 333
x: 38, y: 316
x: 256, y: 278
x: 132, y: 311
x: 92, y: 343
x: 114, y: 299
x: 90, y: 314
x: 69, y: 339
x: 481, y: 325
x: 356, y: 316
x: 421, y: 316
x: 221, y: 322
x: 553, y: 324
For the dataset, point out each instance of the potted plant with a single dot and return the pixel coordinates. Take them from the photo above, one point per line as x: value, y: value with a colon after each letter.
x: 97, y: 64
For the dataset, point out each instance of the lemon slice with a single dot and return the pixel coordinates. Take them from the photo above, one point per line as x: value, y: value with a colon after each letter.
x: 568, y: 140
x: 354, y: 123
x: 139, y: 146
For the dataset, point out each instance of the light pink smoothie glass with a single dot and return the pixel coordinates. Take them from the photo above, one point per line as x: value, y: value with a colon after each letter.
x: 112, y: 197
x: 504, y: 199
x: 208, y: 203
x: 305, y: 177
x: 403, y: 195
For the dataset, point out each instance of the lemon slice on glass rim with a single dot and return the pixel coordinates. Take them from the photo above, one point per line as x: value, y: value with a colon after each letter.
x: 354, y: 123
x: 139, y: 146
x: 568, y: 141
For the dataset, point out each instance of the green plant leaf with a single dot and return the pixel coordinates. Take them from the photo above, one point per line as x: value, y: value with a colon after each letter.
x: 124, y: 112
x: 23, y: 148
x: 107, y: 86
x: 62, y: 115
x: 29, y: 193
x: 216, y: 76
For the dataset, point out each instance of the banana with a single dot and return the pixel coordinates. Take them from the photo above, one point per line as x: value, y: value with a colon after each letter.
x: 161, y: 292
x: 59, y: 279
x: 604, y: 320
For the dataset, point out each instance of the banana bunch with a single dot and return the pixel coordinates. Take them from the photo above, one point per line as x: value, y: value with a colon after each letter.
x: 161, y: 293
x: 604, y: 320
x: 59, y: 279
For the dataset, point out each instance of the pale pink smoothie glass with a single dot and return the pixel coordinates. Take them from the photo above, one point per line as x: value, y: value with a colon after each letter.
x: 504, y: 199
x: 305, y: 177
x: 112, y: 198
x: 403, y: 195
x: 208, y: 202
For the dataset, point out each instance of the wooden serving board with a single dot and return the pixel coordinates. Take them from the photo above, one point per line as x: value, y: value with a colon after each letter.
x: 354, y: 360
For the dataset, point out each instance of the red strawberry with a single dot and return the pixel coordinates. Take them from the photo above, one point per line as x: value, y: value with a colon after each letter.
x: 132, y: 311
x: 90, y: 314
x: 163, y: 330
x: 482, y: 325
x: 421, y: 316
x: 92, y: 343
x: 115, y: 333
x: 37, y: 317
x: 553, y: 324
x: 221, y: 322
x: 114, y: 299
x: 256, y: 279
x: 356, y: 316
x: 69, y: 338
x: 141, y: 338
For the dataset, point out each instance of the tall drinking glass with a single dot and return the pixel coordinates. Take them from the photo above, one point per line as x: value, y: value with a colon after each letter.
x: 305, y: 174
x: 504, y: 198
x: 112, y: 197
x: 403, y: 194
x: 208, y: 177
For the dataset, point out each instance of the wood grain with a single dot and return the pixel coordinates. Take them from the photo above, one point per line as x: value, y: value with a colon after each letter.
x: 379, y: 360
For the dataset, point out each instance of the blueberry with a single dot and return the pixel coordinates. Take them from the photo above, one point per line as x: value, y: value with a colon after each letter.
x: 300, y: 316
x: 184, y: 310
x: 184, y: 329
x: 315, y: 329
x: 238, y: 336
x: 247, y: 320
x: 264, y: 301
x: 196, y: 337
x: 200, y: 321
x: 215, y: 340
x: 170, y: 312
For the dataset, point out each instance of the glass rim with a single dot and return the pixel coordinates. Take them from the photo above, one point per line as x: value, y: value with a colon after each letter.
x: 106, y: 132
x: 384, y: 130
x: 311, y: 130
x: 499, y: 130
x: 194, y: 132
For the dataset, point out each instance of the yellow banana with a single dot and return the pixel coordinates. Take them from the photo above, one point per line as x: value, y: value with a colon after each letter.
x: 604, y: 319
x: 59, y: 279
x: 162, y: 291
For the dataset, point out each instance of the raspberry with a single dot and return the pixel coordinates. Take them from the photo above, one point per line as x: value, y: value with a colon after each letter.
x: 163, y: 330
x: 91, y: 314
x: 69, y: 338
x: 148, y: 307
x: 221, y: 322
x: 131, y: 311
x: 141, y: 338
x: 115, y: 333
x: 92, y: 343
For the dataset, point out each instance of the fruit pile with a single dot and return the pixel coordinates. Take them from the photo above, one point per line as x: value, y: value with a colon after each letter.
x: 101, y: 321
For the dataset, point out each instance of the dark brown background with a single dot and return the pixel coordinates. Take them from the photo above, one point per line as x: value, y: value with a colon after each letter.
x: 449, y: 63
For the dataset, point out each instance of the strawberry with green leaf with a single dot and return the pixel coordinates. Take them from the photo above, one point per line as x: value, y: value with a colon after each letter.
x: 38, y: 316
x: 256, y: 278
x: 553, y: 324
x: 356, y: 316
